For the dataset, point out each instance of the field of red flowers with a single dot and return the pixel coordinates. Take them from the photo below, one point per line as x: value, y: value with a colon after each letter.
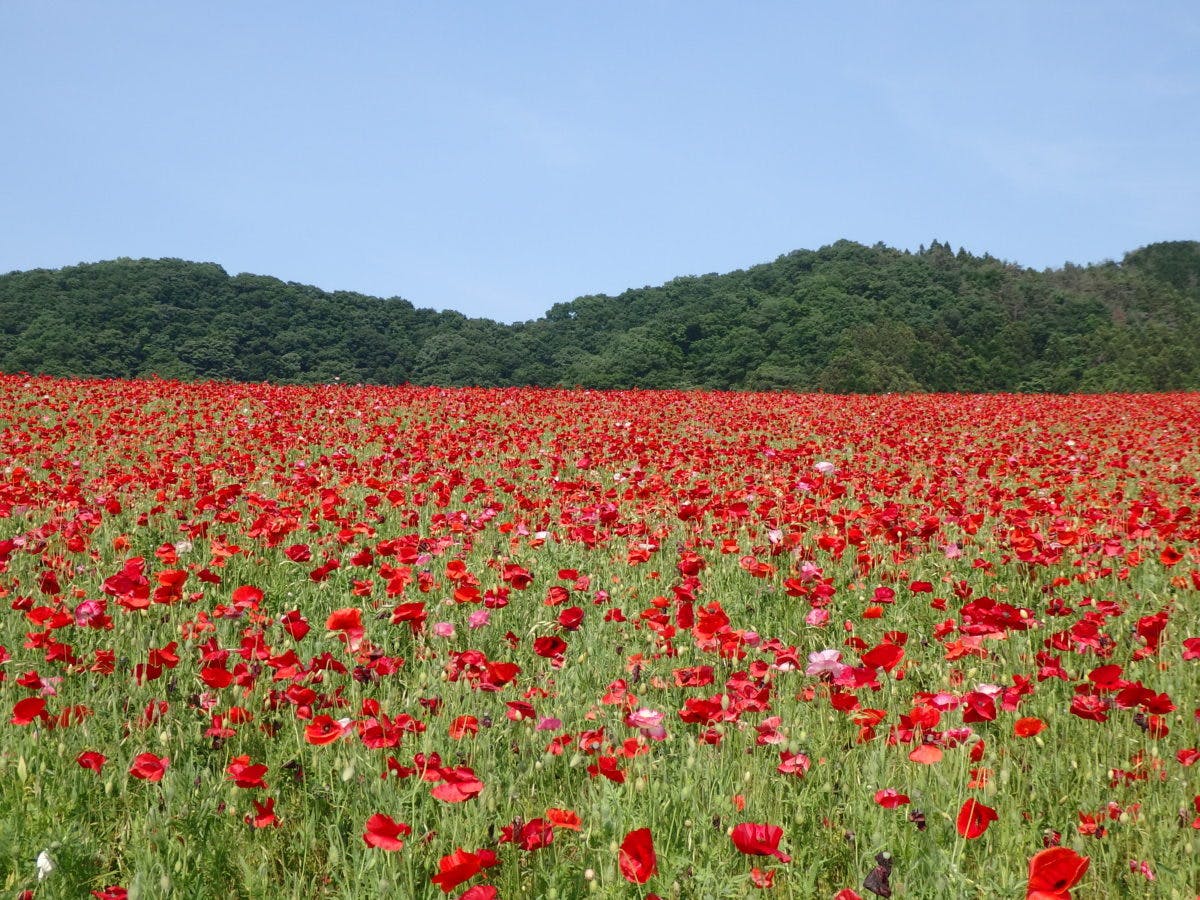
x: 354, y: 642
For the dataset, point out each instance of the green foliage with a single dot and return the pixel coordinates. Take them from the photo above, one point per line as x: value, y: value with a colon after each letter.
x: 845, y: 318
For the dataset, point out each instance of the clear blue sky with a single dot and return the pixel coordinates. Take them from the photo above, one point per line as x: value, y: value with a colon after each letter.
x: 496, y: 158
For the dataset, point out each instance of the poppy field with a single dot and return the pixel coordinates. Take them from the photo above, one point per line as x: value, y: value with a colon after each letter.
x: 341, y: 641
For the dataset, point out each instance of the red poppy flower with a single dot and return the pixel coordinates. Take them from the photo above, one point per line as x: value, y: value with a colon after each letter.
x: 549, y: 646
x: 413, y: 613
x: 762, y: 880
x: 515, y: 575
x: 295, y: 624
x: 91, y: 759
x: 322, y: 730
x: 1089, y: 707
x: 462, y: 726
x: 149, y: 767
x: 247, y: 596
x: 245, y: 774
x: 298, y: 553
x: 759, y: 840
x: 888, y: 798
x: 459, y: 785
x: 885, y: 656
x: 570, y: 618
x: 1053, y: 872
x: 1028, y: 727
x: 264, y: 814
x: 519, y: 710
x: 607, y: 766
x: 216, y: 677
x: 926, y: 754
x: 461, y: 865
x: 637, y: 858
x: 564, y: 818
x: 25, y: 711
x: 532, y: 835
x: 974, y: 819
x: 348, y: 618
x: 978, y: 707
x: 385, y: 832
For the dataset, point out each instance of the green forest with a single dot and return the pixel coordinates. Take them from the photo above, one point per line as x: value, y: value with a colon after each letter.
x: 846, y: 318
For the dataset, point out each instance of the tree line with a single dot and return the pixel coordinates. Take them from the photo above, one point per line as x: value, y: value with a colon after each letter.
x: 844, y: 318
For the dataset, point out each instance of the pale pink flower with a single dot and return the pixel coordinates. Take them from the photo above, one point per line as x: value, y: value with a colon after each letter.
x: 825, y: 662
x: 810, y: 572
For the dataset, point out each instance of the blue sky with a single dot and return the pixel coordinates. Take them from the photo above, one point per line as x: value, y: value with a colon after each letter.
x: 496, y: 158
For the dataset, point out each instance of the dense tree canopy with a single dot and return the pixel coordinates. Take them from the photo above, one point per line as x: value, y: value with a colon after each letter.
x: 845, y: 318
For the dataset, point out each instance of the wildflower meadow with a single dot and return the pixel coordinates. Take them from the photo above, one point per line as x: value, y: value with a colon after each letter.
x: 345, y: 642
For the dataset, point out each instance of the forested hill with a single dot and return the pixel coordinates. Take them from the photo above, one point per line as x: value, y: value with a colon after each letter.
x: 845, y: 318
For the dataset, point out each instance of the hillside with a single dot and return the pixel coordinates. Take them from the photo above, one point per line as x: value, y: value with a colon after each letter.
x: 845, y: 318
